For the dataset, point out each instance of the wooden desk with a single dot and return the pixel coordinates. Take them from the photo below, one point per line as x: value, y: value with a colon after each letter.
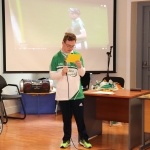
x: 123, y: 106
x: 145, y: 121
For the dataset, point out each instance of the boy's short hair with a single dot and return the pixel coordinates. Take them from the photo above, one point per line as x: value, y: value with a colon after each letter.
x: 69, y: 36
x: 74, y: 10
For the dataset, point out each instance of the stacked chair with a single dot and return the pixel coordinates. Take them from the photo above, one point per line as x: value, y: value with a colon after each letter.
x: 10, y: 97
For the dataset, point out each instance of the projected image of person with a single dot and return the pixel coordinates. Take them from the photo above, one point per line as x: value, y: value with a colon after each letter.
x: 69, y: 92
x: 77, y: 27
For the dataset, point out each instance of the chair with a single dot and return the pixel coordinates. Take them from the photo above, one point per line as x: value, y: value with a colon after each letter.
x: 119, y: 80
x: 85, y: 81
x: 4, y: 97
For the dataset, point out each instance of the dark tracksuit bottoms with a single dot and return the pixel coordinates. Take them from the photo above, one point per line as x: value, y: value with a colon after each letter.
x: 76, y: 108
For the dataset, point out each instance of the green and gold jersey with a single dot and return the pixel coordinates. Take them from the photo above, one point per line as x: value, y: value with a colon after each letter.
x: 68, y: 87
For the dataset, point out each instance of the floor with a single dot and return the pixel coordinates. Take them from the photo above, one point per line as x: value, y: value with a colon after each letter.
x: 44, y: 132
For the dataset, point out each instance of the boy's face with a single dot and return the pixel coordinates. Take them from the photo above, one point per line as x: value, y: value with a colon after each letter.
x: 68, y: 46
x: 73, y: 15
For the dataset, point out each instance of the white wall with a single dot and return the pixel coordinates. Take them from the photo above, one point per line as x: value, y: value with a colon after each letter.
x: 123, y: 47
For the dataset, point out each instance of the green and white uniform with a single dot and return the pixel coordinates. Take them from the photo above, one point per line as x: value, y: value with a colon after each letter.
x: 77, y: 27
x: 68, y: 86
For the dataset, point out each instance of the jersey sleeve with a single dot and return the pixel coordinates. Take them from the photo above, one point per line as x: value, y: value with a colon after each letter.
x: 53, y: 65
x: 54, y: 74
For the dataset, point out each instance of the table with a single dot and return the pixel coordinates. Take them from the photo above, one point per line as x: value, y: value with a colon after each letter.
x: 122, y: 106
x: 39, y: 103
x: 145, y: 120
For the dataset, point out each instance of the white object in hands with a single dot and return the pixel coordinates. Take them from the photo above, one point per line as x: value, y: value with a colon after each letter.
x: 103, y: 92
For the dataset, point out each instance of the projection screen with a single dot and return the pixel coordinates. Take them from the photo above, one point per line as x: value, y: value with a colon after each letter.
x: 33, y: 32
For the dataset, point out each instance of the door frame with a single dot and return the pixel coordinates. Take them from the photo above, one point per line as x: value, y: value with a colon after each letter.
x: 139, y: 42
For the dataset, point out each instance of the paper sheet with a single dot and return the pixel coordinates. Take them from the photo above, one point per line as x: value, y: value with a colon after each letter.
x: 73, y: 57
x: 102, y: 92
